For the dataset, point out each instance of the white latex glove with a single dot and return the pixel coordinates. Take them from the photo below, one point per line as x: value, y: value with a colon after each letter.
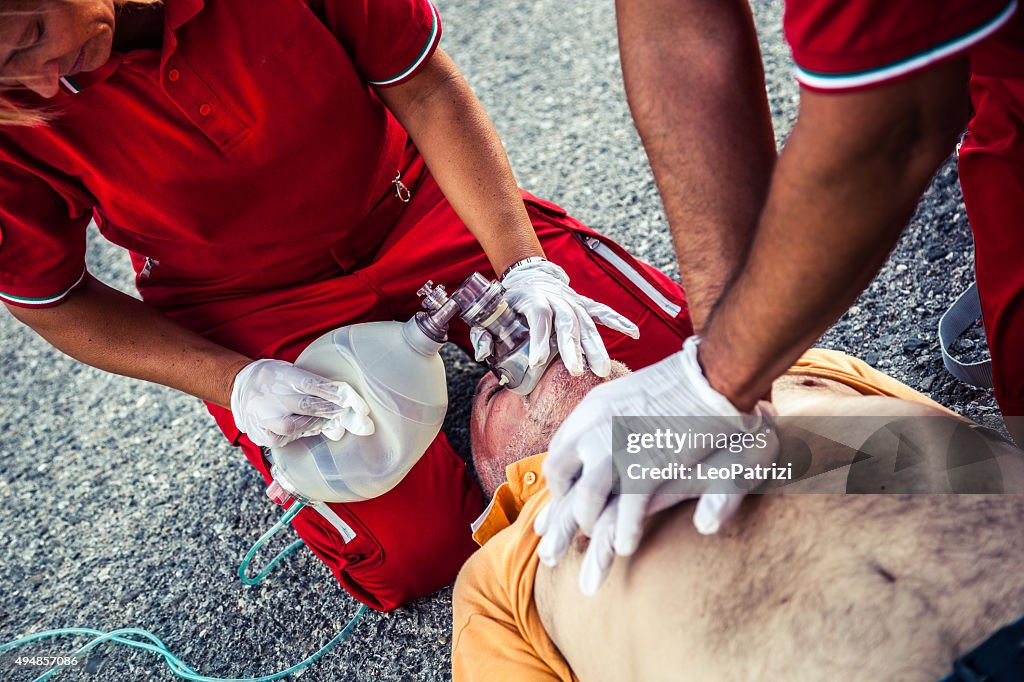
x: 540, y: 292
x: 560, y: 529
x: 482, y: 342
x: 558, y: 526
x: 579, y: 468
x: 274, y: 402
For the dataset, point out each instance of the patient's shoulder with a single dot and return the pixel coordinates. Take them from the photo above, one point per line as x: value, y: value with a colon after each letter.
x: 856, y: 374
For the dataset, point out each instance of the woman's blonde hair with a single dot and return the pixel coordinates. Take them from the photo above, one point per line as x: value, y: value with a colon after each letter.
x: 13, y: 115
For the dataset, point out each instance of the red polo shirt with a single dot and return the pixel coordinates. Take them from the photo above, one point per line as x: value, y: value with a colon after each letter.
x: 242, y: 156
x: 842, y: 45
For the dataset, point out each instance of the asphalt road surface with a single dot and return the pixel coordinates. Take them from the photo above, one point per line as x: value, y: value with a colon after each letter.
x: 123, y: 506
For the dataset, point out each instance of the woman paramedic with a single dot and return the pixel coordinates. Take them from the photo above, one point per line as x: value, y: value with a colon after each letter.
x: 257, y: 160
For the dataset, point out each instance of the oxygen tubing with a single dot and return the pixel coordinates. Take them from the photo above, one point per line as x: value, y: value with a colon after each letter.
x: 176, y: 665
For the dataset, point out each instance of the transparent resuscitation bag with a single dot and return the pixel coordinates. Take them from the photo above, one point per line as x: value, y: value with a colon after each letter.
x: 396, y: 369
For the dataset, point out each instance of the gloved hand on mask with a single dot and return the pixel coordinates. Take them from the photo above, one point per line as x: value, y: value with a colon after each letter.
x: 672, y: 394
x: 540, y: 292
x: 274, y: 402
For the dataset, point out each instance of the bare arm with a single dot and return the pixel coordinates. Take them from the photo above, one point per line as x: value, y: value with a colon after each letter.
x: 695, y: 85
x: 109, y: 330
x: 462, y: 150
x: 846, y: 184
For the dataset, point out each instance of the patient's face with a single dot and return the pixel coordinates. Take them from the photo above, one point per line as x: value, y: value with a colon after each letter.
x: 498, y: 412
x: 505, y: 427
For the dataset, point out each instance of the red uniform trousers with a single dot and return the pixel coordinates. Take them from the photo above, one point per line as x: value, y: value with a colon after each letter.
x: 992, y: 177
x: 844, y: 45
x: 413, y: 540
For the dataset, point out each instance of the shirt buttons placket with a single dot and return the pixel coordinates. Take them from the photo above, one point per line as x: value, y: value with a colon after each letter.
x: 200, y: 103
x: 530, y: 478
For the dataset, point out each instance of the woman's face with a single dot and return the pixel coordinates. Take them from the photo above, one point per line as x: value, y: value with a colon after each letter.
x: 43, y: 40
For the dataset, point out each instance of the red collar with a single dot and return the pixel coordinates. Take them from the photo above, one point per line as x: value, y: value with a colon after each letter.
x: 176, y: 14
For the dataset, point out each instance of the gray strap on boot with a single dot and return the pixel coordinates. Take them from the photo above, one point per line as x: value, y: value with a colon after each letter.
x: 965, y: 311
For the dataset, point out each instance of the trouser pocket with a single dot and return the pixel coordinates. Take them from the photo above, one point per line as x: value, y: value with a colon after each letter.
x: 634, y: 274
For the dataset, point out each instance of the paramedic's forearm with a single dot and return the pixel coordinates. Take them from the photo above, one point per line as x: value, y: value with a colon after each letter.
x: 845, y: 185
x: 695, y: 85
x: 465, y: 156
x: 109, y: 330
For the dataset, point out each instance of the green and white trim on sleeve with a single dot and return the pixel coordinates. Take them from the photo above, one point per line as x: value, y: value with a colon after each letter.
x: 28, y: 302
x: 428, y: 49
x: 845, y: 81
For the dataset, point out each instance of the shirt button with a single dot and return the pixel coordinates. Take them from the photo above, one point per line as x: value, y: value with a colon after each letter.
x: 205, y: 109
x: 530, y: 478
x: 173, y: 75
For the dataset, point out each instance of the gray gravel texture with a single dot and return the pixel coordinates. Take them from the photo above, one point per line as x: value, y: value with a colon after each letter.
x: 99, y: 531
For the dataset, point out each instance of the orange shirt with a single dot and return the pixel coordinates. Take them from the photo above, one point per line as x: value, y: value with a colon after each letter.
x: 497, y: 633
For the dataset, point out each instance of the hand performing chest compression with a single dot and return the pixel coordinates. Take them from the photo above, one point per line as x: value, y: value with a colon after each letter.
x: 581, y: 473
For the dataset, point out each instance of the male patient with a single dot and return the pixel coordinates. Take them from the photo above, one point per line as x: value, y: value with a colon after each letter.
x: 798, y: 587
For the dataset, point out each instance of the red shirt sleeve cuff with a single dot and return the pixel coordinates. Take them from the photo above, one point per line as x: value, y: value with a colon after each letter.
x: 38, y: 297
x: 426, y: 51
